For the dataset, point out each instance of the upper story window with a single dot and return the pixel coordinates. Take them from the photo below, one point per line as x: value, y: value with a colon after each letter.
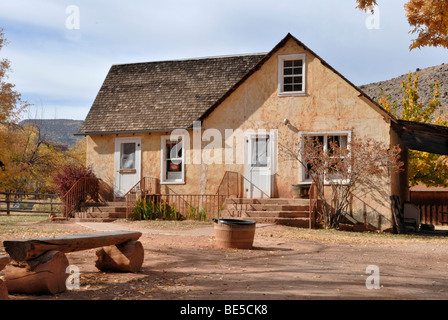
x: 291, y: 75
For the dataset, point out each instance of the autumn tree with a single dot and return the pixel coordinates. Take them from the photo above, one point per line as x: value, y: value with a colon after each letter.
x: 28, y: 158
x: 340, y: 172
x: 429, y: 19
x: 11, y: 103
x: 426, y: 168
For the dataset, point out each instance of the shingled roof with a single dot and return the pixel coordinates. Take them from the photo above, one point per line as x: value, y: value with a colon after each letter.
x: 165, y: 95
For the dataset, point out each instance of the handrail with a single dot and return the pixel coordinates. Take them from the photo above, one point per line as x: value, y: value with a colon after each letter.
x: 223, y: 184
x: 78, y: 193
x: 314, y: 199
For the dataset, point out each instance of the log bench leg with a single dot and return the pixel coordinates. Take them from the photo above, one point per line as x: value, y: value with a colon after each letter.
x: 3, y: 291
x: 125, y: 257
x: 4, y: 260
x: 45, y: 274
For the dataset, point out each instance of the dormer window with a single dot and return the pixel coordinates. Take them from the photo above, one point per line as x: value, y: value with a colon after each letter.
x: 291, y: 74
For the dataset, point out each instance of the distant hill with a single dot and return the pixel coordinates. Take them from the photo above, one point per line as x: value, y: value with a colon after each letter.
x: 58, y: 130
x: 427, y: 77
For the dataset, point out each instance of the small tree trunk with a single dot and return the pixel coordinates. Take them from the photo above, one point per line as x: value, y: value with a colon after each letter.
x: 125, y: 257
x: 45, y: 274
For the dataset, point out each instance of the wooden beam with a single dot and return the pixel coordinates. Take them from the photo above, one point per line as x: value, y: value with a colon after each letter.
x: 26, y: 249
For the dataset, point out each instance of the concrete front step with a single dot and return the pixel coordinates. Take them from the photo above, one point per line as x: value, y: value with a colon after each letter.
x: 102, y: 212
x: 116, y: 204
x: 290, y: 222
x: 283, y: 211
x: 106, y: 209
x: 265, y: 214
x: 93, y: 219
x: 102, y: 215
x: 268, y: 207
x: 276, y: 201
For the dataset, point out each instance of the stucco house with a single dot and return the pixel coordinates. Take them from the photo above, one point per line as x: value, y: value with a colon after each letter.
x: 187, y: 123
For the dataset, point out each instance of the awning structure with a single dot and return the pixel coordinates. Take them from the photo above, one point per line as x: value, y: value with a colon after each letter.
x: 422, y: 136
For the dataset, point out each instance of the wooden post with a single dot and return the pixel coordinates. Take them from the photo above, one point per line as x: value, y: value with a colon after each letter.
x: 125, y: 257
x: 4, y: 260
x: 8, y: 205
x: 51, y: 204
x: 45, y: 274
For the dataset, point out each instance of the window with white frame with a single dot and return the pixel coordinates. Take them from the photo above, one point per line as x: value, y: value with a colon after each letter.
x: 291, y: 74
x: 173, y: 161
x: 325, y: 141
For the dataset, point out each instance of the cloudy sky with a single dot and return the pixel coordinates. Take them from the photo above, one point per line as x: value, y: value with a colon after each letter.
x: 59, y: 61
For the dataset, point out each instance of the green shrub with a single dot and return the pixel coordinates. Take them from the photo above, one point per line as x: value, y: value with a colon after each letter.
x: 195, y: 214
x: 149, y: 210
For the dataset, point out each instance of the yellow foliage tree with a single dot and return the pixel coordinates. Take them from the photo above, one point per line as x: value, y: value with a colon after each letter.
x: 429, y: 19
x: 426, y: 168
x: 28, y: 160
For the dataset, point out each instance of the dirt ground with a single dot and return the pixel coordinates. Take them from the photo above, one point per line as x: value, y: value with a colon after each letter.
x: 182, y: 263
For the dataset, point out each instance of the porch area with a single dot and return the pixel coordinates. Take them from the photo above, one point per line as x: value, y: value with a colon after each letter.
x: 89, y: 202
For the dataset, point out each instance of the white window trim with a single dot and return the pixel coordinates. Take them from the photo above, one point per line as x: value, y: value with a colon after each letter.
x: 282, y: 58
x: 302, y: 169
x: 163, y: 168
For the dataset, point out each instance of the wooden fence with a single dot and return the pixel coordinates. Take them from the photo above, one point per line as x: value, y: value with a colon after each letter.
x: 433, y: 206
x: 29, y: 203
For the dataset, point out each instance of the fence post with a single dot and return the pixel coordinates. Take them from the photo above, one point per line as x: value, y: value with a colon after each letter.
x: 8, y: 207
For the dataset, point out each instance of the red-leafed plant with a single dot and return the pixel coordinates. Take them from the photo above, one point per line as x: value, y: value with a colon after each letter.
x: 66, y: 178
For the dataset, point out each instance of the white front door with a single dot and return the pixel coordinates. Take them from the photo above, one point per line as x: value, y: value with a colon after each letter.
x: 127, y: 164
x: 259, y: 165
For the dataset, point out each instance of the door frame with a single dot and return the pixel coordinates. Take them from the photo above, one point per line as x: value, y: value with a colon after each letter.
x: 272, y: 162
x: 117, y: 154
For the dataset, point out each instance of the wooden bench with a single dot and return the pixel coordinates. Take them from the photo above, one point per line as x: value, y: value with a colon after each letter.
x: 39, y: 265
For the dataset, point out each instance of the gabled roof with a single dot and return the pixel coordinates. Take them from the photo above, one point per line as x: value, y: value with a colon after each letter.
x: 168, y: 95
x: 162, y: 96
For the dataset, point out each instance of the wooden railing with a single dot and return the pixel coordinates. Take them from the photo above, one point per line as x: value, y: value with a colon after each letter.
x: 433, y: 206
x: 29, y: 203
x: 230, y: 185
x: 314, y: 204
x: 186, y: 205
x: 190, y: 206
x: 80, y: 192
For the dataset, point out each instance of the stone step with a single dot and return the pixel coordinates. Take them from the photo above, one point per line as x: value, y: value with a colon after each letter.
x: 93, y: 219
x: 114, y: 204
x: 268, y: 207
x: 290, y: 222
x: 277, y: 201
x: 102, y: 215
x: 266, y: 214
x: 106, y: 209
x: 102, y: 212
